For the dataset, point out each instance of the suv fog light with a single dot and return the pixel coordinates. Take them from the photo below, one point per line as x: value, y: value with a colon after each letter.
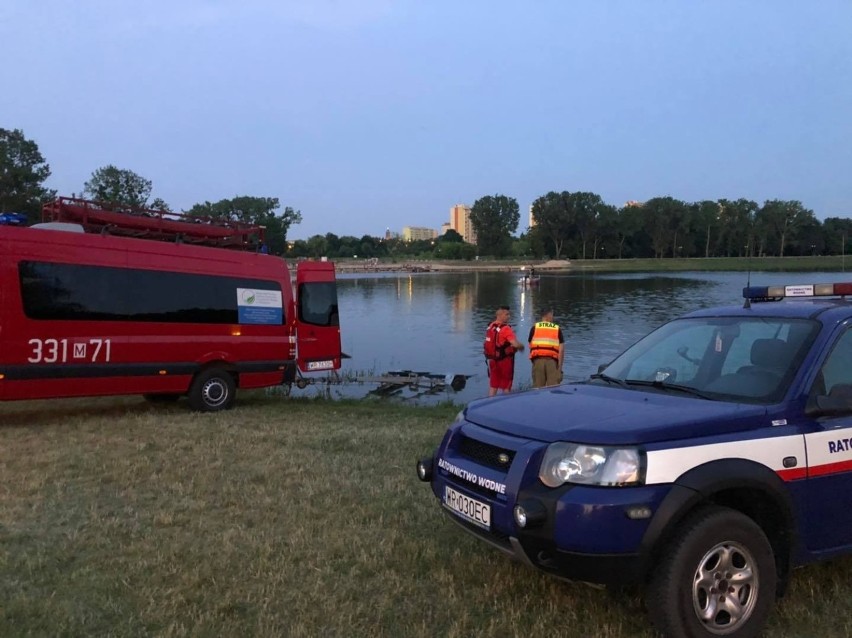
x: 638, y: 512
x: 424, y: 469
x: 529, y: 513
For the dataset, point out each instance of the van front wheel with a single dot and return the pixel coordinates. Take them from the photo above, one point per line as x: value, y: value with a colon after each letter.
x: 212, y: 390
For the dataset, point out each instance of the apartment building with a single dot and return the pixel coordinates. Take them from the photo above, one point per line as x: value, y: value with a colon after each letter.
x: 417, y: 233
x: 460, y: 222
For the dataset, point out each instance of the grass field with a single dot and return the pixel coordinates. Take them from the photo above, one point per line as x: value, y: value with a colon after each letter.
x: 282, y: 517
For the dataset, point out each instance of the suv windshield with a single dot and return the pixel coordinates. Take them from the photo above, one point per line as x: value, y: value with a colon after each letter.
x: 726, y: 358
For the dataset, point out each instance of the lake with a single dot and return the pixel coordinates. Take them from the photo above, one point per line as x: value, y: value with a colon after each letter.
x: 435, y: 322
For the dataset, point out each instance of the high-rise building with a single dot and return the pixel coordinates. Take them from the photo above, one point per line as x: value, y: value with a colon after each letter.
x: 417, y: 233
x: 460, y: 222
x: 445, y: 227
x: 532, y: 219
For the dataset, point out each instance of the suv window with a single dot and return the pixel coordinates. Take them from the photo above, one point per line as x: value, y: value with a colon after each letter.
x: 729, y: 358
x: 832, y: 389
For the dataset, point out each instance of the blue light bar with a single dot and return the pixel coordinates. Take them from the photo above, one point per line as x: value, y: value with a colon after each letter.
x: 767, y: 293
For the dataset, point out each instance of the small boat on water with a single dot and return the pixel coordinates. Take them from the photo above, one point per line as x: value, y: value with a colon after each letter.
x: 529, y: 281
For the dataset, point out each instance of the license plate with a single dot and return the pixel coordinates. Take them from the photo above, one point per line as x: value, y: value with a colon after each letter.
x: 470, y: 509
x: 320, y: 365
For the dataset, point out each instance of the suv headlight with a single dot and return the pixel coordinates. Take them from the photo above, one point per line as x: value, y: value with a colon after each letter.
x: 590, y: 465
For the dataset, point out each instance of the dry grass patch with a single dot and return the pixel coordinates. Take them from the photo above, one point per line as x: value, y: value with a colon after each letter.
x: 279, y: 518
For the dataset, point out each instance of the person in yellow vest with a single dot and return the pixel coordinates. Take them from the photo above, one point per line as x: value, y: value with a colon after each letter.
x: 547, y: 351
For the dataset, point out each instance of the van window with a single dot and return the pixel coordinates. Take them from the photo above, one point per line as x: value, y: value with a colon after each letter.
x: 76, y: 292
x: 318, y: 304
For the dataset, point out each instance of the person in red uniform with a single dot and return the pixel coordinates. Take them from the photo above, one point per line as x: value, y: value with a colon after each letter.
x: 501, y: 368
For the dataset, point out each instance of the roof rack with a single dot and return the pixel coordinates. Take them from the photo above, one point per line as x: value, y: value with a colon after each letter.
x: 108, y: 218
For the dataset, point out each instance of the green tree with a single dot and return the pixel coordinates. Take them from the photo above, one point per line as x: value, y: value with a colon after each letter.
x: 736, y: 222
x: 455, y: 250
x: 118, y: 186
x: 369, y: 247
x: 317, y: 246
x: 586, y: 209
x: 299, y: 249
x: 553, y: 214
x: 706, y: 217
x: 259, y: 211
x: 22, y: 175
x: 536, y: 241
x: 451, y: 236
x: 781, y: 219
x: 837, y: 232
x: 160, y: 204
x: 607, y: 232
x: 349, y: 246
x: 662, y: 217
x: 494, y: 218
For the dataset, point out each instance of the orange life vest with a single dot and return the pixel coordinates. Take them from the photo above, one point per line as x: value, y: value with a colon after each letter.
x: 495, y: 347
x: 545, y: 340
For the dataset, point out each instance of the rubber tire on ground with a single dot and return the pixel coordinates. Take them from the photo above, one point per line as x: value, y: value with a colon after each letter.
x: 670, y: 592
x: 212, y: 390
x: 161, y: 398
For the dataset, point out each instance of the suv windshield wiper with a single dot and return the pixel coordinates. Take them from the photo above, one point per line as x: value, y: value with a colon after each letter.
x: 669, y: 386
x: 609, y: 379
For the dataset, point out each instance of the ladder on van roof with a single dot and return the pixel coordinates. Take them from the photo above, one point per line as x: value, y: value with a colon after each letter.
x: 131, y: 221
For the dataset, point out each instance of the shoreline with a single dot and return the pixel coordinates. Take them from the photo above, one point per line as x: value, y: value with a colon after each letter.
x: 832, y: 263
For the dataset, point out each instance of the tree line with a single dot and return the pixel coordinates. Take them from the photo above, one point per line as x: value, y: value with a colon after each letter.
x: 574, y: 225
x: 580, y: 225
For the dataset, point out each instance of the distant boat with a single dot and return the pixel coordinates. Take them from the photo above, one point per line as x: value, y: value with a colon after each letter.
x: 529, y: 281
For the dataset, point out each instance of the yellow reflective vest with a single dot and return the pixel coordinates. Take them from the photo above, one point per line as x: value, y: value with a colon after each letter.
x: 545, y: 340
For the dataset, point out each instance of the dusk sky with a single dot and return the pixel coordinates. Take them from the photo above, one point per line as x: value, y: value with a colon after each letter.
x: 367, y: 114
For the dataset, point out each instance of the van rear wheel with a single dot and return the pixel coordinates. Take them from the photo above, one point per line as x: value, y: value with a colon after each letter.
x: 212, y: 390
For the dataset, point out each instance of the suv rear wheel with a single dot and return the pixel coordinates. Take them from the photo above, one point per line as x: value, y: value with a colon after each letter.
x: 716, y: 578
x: 212, y: 390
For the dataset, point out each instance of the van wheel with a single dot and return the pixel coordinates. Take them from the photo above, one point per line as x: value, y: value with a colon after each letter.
x: 716, y: 578
x: 212, y: 390
x: 161, y: 398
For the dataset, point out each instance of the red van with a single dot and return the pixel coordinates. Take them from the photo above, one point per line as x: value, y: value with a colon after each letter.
x: 86, y: 314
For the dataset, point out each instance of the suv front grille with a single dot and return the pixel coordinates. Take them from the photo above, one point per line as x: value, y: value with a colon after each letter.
x: 486, y: 454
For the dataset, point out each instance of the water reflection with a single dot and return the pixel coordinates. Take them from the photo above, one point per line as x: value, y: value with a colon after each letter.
x: 434, y: 322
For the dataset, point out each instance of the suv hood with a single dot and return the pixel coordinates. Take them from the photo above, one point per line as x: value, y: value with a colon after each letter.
x: 606, y: 415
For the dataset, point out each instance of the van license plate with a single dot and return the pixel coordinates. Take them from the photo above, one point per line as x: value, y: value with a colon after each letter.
x: 320, y: 365
x: 470, y: 509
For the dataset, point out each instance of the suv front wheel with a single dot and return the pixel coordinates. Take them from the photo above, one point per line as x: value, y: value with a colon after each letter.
x: 717, y: 577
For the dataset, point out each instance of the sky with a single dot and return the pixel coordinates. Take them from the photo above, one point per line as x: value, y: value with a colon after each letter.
x: 369, y: 114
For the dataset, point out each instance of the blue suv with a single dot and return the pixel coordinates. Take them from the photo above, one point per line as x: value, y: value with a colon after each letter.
x: 703, y: 463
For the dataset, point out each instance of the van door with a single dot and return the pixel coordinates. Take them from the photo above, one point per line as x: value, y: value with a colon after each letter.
x: 317, y: 318
x: 4, y: 283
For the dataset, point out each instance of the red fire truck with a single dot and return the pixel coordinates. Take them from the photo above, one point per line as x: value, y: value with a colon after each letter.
x: 91, y: 305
